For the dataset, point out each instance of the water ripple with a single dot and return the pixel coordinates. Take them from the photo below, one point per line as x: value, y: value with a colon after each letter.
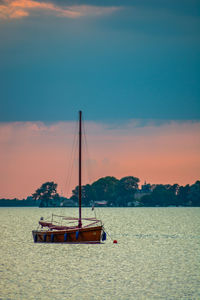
x: 157, y: 257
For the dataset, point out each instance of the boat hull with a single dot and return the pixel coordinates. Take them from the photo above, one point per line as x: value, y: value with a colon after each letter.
x: 79, y: 235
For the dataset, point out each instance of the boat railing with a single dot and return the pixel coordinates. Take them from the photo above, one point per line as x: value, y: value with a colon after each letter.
x: 57, y: 222
x: 72, y: 218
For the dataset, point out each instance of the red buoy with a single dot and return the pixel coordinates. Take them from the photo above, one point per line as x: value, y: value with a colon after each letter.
x: 115, y: 242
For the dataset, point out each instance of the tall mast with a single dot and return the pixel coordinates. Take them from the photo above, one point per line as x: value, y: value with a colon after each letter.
x: 80, y: 158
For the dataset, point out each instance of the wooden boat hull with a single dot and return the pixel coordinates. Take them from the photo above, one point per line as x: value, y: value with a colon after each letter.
x: 79, y: 235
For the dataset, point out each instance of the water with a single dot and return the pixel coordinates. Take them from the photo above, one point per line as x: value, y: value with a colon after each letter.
x: 157, y: 256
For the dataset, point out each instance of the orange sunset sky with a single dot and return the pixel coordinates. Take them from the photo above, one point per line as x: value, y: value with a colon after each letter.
x: 32, y: 153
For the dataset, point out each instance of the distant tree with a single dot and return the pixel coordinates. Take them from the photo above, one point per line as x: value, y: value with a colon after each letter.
x: 74, y: 196
x: 105, y: 189
x: 147, y: 188
x: 162, y: 195
x: 47, y: 194
x: 102, y: 189
x: 194, y: 195
x: 147, y: 200
x: 87, y: 195
x: 183, y: 196
x: 174, y: 188
x: 122, y: 193
x: 126, y: 190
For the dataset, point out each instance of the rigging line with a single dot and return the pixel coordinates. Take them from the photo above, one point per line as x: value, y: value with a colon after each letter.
x: 98, y: 211
x: 88, y: 169
x: 71, y: 170
x: 72, y: 166
x: 71, y: 160
x: 108, y: 233
x: 69, y: 167
x: 87, y: 162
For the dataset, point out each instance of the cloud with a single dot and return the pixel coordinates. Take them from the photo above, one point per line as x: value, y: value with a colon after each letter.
x: 33, y: 152
x: 16, y: 9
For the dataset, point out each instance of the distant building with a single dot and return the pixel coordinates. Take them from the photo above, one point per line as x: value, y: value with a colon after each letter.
x: 101, y: 203
x: 146, y: 189
x: 67, y: 203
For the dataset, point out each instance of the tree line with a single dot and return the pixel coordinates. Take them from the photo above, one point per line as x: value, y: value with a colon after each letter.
x: 123, y: 192
x: 114, y: 192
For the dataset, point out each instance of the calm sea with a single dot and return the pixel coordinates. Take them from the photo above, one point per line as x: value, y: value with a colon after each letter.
x: 157, y: 256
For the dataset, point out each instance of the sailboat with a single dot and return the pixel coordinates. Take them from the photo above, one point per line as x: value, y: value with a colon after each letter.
x: 77, y: 230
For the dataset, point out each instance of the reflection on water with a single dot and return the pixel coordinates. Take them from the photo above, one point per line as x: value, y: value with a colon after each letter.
x: 157, y: 256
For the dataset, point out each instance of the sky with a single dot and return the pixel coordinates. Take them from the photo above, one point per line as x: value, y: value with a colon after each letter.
x: 132, y: 67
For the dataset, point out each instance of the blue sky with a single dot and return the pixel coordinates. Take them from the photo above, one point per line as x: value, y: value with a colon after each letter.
x: 115, y: 60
